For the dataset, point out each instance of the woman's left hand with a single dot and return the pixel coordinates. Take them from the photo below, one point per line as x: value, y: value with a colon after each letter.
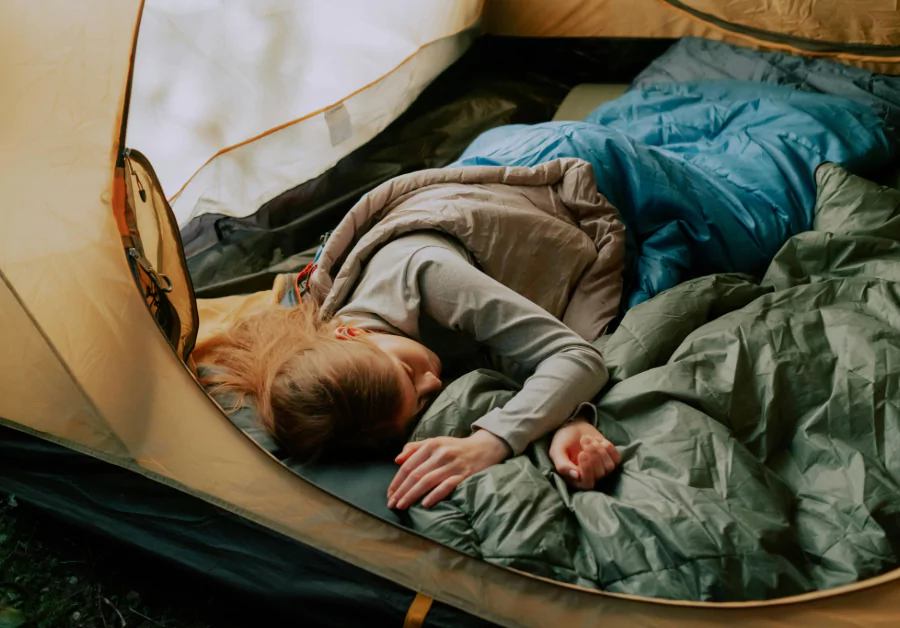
x: 432, y: 468
x: 582, y: 455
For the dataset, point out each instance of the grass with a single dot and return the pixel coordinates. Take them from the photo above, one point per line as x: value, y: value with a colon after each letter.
x: 55, y: 576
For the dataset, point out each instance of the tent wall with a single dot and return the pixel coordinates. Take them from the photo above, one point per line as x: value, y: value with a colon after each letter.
x: 125, y: 397
x: 862, y: 32
x: 580, y: 18
x: 869, y: 23
x: 45, y: 396
x: 278, y: 90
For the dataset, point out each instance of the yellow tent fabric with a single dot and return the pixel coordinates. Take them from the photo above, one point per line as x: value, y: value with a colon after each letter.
x: 85, y: 365
x: 865, y: 33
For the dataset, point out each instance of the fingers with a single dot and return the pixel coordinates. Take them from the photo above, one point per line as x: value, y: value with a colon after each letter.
x: 414, y: 482
x: 564, y: 465
x: 414, y: 458
x: 586, y: 467
x: 596, y: 459
x: 408, y: 450
x: 442, y: 491
x: 431, y: 480
x: 583, y: 460
x: 603, y: 463
x: 612, y: 451
x: 569, y: 471
x: 430, y: 463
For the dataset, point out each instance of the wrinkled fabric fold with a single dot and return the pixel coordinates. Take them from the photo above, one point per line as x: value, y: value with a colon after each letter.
x: 757, y: 421
x: 709, y: 177
x: 544, y: 232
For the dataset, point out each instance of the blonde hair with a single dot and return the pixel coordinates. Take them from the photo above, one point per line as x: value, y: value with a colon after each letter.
x: 310, y: 388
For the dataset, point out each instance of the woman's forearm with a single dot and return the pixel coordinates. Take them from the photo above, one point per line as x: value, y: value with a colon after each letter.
x: 557, y: 391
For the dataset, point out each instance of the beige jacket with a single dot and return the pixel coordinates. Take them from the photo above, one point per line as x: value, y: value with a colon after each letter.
x: 545, y: 232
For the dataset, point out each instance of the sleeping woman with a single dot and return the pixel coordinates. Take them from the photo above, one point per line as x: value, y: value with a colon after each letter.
x: 443, y: 271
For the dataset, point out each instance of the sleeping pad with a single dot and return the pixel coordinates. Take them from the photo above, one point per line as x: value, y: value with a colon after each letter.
x: 758, y: 423
x: 708, y: 177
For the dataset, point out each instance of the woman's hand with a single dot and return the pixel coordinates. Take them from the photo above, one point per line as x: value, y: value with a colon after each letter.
x: 432, y: 468
x: 582, y: 455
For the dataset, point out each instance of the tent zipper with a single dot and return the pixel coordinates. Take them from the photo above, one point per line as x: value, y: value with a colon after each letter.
x: 164, y: 214
x: 135, y: 251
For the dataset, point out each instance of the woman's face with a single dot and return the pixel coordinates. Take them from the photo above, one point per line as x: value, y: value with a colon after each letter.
x: 418, y: 371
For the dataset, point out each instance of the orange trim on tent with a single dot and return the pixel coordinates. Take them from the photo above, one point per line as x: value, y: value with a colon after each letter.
x: 126, y: 102
x: 119, y: 188
x: 118, y: 202
x: 328, y: 107
x: 779, y: 46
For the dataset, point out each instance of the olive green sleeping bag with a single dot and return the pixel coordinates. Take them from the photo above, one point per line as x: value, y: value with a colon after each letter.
x: 758, y: 424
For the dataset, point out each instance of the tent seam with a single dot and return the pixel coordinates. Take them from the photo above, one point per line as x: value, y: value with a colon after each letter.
x: 861, y: 57
x: 62, y: 362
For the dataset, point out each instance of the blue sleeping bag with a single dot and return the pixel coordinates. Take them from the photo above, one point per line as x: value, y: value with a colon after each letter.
x: 708, y: 177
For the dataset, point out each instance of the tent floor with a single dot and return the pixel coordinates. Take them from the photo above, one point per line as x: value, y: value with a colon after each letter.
x: 268, y: 568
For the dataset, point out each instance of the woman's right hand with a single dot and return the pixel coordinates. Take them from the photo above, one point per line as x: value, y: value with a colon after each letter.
x: 582, y: 455
x: 432, y: 468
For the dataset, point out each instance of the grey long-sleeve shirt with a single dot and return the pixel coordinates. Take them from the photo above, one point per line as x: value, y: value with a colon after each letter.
x: 426, y: 286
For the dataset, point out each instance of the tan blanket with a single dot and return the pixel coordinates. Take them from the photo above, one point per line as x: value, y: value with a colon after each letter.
x: 545, y: 232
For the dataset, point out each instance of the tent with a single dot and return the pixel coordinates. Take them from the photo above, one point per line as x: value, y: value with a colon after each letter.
x: 103, y: 420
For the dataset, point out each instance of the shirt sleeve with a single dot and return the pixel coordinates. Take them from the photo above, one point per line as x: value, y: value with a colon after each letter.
x: 567, y: 371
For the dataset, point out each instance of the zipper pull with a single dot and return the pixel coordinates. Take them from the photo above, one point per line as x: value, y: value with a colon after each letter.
x: 143, y: 194
x: 140, y: 186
